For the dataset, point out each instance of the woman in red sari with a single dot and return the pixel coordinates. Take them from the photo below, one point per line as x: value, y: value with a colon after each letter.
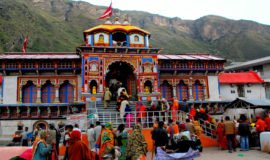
x: 222, y: 142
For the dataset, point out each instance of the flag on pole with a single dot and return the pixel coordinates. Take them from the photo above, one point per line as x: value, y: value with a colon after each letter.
x: 107, y: 12
x: 25, y: 42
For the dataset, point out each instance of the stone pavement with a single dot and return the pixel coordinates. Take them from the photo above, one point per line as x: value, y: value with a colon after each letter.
x: 215, y: 154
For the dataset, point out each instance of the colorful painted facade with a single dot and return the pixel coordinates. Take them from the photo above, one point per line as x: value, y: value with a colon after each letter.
x: 52, y: 85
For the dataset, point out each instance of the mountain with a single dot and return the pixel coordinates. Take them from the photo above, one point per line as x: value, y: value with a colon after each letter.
x: 57, y: 25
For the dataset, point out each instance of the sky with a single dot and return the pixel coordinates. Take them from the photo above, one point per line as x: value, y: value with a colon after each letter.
x: 255, y: 10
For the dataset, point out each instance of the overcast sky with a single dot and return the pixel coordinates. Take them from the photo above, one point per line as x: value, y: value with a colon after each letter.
x: 255, y: 10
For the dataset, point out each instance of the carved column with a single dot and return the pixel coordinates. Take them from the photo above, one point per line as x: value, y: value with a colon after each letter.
x: 38, y: 94
x: 56, y: 100
x: 190, y: 91
x: 174, y: 91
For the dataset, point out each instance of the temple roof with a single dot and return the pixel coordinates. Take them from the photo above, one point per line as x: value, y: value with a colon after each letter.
x: 189, y: 57
x: 116, y: 27
x: 240, y: 78
x: 40, y: 55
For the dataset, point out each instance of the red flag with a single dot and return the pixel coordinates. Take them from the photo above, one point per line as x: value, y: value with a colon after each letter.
x: 25, y: 42
x: 107, y: 13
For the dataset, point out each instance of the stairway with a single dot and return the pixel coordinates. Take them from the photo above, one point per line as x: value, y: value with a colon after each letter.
x: 110, y: 114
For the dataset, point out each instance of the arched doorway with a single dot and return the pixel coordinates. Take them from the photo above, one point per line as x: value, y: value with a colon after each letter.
x: 182, y: 91
x: 121, y: 74
x: 166, y: 90
x: 197, y: 89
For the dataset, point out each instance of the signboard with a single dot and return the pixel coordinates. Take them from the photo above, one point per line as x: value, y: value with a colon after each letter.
x: 80, y: 119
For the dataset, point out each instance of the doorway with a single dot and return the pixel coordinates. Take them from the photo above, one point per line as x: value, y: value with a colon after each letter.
x: 121, y: 74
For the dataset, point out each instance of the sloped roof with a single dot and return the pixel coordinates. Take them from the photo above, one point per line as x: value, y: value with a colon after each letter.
x: 249, y: 103
x: 240, y: 78
x: 40, y: 55
x: 115, y: 27
x: 189, y: 57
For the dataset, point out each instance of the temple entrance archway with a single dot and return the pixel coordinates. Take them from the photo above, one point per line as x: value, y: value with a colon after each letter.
x: 121, y: 74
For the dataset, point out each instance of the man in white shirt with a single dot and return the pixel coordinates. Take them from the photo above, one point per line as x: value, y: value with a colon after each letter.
x: 91, y: 137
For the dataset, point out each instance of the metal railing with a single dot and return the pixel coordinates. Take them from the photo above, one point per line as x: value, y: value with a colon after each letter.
x: 147, y: 119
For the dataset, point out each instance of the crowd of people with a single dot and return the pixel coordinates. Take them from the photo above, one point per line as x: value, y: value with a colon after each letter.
x: 245, y: 132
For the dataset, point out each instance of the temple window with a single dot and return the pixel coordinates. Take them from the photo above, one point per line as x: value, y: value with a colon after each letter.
x: 46, y: 65
x: 119, y: 39
x: 93, y: 87
x: 182, y: 65
x: 66, y: 92
x: 11, y: 65
x: 29, y: 92
x: 28, y: 65
x: 148, y: 86
x: 166, y: 90
x: 47, y: 92
x: 166, y: 65
x: 198, y: 65
x: 211, y: 65
x: 65, y: 65
x: 198, y: 91
x: 182, y: 91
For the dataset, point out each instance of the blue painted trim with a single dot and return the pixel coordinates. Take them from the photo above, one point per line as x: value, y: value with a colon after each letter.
x: 196, y: 92
x: 92, y: 42
x: 31, y: 94
x: 2, y: 92
x: 127, y: 40
x: 49, y: 94
x: 218, y: 88
x: 82, y: 71
x: 66, y: 94
x: 111, y: 40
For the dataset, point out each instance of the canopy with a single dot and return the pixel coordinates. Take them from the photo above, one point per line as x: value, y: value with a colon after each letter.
x: 249, y: 103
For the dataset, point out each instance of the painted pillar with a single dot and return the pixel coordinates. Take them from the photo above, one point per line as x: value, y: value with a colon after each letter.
x: 174, y: 91
x: 38, y: 94
x: 146, y: 41
x: 190, y: 91
x: 82, y: 74
x: 56, y: 100
x: 111, y: 40
x: 127, y: 39
x: 205, y: 92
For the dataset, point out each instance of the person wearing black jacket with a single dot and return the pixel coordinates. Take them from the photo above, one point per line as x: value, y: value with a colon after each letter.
x: 244, y: 132
x: 160, y: 136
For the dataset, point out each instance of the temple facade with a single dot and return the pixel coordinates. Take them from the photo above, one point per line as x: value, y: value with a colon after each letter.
x: 40, y: 87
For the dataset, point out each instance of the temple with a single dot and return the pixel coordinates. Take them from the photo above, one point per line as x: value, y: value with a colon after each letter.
x: 50, y: 86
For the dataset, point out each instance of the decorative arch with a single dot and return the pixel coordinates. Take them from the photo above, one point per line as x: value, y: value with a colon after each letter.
x: 197, y: 90
x: 47, y: 92
x: 93, y: 86
x: 148, y: 86
x: 66, y: 92
x: 29, y: 92
x: 182, y: 91
x: 126, y: 61
x: 166, y: 90
x: 43, y: 124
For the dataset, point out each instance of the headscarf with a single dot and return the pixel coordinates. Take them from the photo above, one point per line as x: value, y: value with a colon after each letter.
x: 108, y: 125
x: 75, y: 136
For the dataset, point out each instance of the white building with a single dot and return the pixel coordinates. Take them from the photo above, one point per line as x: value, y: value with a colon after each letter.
x: 261, y: 66
x: 242, y: 84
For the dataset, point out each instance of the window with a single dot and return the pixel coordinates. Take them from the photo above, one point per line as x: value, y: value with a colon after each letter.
x: 28, y: 65
x: 66, y: 92
x: 11, y: 65
x: 46, y: 65
x: 182, y: 65
x: 211, y: 65
x: 240, y: 90
x: 29, y: 93
x: 47, y: 93
x: 248, y: 91
x: 232, y: 91
x: 65, y: 65
x: 198, y: 65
